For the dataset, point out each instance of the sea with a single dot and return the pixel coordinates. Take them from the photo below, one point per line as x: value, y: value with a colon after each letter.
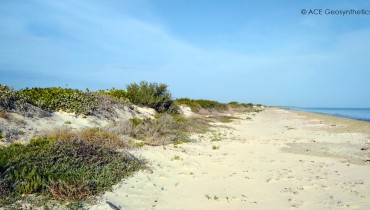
x: 352, y: 113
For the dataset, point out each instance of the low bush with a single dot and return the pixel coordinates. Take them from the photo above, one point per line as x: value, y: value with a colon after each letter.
x: 196, y: 105
x: 62, y: 170
x: 152, y: 95
x: 115, y: 93
x: 10, y: 99
x: 61, y: 99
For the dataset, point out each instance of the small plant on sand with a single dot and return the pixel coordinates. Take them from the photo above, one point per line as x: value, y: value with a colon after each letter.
x: 248, y: 118
x: 140, y: 144
x: 214, y: 147
x: 216, y: 136
x: 176, y: 157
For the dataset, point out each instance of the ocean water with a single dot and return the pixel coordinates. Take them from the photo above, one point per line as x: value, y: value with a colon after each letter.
x: 352, y: 113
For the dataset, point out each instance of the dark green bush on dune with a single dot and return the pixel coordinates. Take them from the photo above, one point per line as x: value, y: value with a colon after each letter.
x: 152, y: 95
x: 64, y: 170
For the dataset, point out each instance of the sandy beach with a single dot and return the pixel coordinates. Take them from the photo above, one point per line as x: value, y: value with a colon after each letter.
x: 276, y: 159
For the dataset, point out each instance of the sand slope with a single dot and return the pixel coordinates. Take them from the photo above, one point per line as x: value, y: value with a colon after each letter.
x: 273, y: 161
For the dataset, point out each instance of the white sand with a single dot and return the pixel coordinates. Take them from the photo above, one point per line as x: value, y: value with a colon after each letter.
x: 249, y: 170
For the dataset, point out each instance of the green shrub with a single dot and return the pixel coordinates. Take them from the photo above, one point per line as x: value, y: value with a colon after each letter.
x: 115, y: 93
x: 152, y: 95
x: 61, y: 99
x: 63, y: 170
x: 10, y: 99
x: 196, y: 105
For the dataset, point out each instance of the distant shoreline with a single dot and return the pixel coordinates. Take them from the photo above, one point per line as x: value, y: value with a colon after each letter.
x: 328, y: 111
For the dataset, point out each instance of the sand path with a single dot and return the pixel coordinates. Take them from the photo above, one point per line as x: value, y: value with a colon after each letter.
x: 248, y: 169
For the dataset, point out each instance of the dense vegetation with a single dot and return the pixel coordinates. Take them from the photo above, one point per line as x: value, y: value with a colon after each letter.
x: 64, y: 170
x: 61, y: 99
x: 152, y: 95
x: 76, y: 101
x: 196, y: 105
x: 114, y: 93
x: 71, y: 164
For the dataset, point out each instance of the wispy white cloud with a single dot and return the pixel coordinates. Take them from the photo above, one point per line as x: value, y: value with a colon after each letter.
x: 88, y: 44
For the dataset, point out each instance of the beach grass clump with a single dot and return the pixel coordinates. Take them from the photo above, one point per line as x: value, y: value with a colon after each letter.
x: 152, y: 95
x: 163, y: 129
x: 61, y: 99
x: 97, y: 136
x: 62, y: 170
x: 196, y: 105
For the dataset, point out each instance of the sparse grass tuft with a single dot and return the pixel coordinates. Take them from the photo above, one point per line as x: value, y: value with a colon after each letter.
x: 176, y: 157
x: 216, y: 137
x: 224, y: 118
x: 214, y: 147
x: 62, y: 170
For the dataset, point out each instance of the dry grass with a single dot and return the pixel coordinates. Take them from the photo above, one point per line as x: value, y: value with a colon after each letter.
x: 96, y: 136
x: 165, y: 129
x: 3, y: 114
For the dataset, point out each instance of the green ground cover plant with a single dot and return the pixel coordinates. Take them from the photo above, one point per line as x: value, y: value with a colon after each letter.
x: 61, y: 99
x: 61, y: 170
x: 115, y: 93
x: 196, y: 105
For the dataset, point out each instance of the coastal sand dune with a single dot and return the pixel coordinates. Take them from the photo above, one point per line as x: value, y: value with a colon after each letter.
x: 278, y: 159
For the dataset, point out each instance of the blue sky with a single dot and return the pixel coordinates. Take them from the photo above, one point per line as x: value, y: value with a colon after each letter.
x: 249, y: 51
